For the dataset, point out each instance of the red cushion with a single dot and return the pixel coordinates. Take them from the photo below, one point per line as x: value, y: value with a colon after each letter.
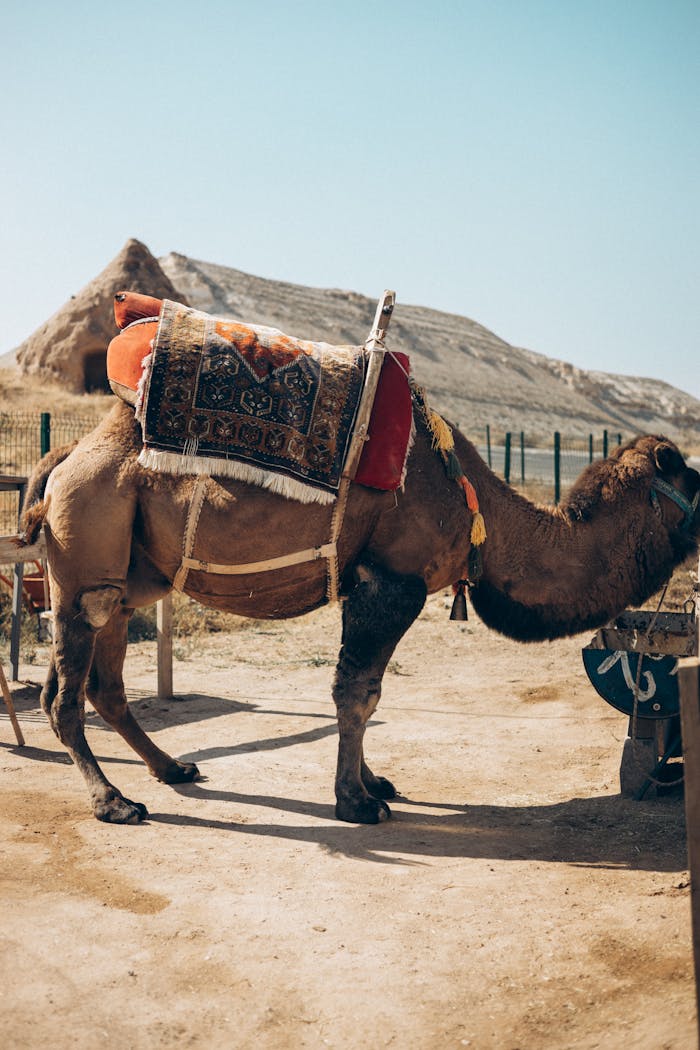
x: 384, y: 453
x: 132, y: 306
x: 125, y: 355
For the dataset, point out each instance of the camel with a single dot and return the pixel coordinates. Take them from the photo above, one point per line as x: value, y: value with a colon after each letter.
x: 114, y: 533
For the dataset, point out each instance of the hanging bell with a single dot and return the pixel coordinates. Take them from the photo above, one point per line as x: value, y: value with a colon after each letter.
x: 459, y: 605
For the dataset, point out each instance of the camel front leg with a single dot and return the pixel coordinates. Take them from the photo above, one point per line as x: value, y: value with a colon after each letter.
x: 376, y: 614
x: 63, y: 700
x: 106, y: 694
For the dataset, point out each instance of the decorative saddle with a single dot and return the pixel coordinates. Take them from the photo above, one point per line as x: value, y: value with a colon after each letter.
x: 217, y: 396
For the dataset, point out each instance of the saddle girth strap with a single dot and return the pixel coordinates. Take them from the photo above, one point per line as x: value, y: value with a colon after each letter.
x: 326, y: 550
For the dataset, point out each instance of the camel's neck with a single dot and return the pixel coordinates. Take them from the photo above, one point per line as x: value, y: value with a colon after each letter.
x: 545, y: 575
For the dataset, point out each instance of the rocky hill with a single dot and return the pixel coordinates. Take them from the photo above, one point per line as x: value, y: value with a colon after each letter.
x: 472, y: 376
x: 70, y: 347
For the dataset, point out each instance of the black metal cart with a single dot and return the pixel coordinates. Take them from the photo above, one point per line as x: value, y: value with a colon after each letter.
x: 632, y: 663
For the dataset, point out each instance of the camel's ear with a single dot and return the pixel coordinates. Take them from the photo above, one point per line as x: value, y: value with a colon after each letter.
x: 668, y: 459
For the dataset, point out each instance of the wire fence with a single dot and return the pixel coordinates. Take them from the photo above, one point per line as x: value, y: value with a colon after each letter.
x: 26, y: 436
x: 556, y: 466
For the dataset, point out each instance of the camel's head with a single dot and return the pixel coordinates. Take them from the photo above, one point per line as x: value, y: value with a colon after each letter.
x: 652, y: 470
x: 640, y: 517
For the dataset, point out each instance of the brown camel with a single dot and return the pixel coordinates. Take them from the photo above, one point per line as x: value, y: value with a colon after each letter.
x: 115, y: 538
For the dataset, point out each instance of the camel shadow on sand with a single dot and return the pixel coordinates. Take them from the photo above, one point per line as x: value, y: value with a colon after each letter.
x: 605, y: 831
x: 599, y: 832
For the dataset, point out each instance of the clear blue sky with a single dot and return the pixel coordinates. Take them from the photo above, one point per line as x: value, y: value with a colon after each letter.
x: 532, y: 164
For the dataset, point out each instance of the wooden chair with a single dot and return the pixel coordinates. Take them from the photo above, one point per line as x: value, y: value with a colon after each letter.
x: 37, y: 593
x: 35, y: 590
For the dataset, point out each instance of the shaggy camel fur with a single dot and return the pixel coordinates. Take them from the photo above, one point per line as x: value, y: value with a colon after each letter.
x: 115, y: 537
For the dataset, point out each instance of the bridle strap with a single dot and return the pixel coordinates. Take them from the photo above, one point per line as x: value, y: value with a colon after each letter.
x: 687, y: 506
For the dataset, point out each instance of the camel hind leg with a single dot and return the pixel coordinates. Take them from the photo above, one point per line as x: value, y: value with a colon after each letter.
x: 376, y: 614
x: 106, y: 694
x: 63, y: 700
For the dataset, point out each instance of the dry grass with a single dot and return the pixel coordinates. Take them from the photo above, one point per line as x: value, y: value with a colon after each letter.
x: 20, y: 393
x: 190, y: 620
x: 680, y: 588
x: 541, y: 492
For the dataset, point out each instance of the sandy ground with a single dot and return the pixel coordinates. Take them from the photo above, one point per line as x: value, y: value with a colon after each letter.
x: 515, y: 901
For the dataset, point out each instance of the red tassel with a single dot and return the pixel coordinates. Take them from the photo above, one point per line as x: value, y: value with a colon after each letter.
x: 470, y: 493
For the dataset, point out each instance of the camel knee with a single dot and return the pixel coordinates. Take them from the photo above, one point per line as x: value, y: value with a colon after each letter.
x: 98, y: 605
x: 355, y: 693
x: 67, y: 719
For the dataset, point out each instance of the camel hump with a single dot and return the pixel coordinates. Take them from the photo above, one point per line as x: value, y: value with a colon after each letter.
x: 133, y: 306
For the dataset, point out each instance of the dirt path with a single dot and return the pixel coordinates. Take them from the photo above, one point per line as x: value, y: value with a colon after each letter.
x: 515, y: 902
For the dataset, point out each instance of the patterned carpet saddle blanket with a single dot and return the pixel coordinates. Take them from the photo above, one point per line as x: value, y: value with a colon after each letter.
x: 220, y: 397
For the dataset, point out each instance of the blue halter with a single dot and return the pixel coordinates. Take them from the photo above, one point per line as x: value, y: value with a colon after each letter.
x: 687, y: 506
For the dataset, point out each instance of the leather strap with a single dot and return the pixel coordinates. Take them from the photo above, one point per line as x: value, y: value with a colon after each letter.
x: 659, y: 485
x: 327, y: 550
x: 189, y: 537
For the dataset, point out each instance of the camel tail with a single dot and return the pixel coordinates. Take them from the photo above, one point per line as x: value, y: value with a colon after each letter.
x: 529, y: 623
x: 35, y: 505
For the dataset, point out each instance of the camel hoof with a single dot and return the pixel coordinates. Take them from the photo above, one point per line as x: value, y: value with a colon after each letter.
x: 365, y: 811
x: 179, y: 773
x: 380, y: 787
x: 120, y: 810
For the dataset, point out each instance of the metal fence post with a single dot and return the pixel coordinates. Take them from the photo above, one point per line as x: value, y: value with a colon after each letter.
x: 605, y: 444
x: 590, y: 448
x: 488, y: 444
x: 45, y: 432
x: 522, y: 457
x: 557, y: 466
x: 506, y: 459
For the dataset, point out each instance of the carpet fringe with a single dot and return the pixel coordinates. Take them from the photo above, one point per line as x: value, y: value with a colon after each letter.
x: 290, y: 488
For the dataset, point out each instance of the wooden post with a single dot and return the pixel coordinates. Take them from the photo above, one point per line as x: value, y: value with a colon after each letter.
x: 164, y: 634
x: 375, y: 346
x: 7, y: 696
x: 16, y: 624
x: 557, y: 466
x: 689, y: 693
x: 45, y: 433
x: 689, y: 690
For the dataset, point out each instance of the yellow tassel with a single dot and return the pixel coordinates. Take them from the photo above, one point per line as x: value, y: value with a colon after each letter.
x: 478, y: 533
x: 442, y: 434
x: 444, y: 442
